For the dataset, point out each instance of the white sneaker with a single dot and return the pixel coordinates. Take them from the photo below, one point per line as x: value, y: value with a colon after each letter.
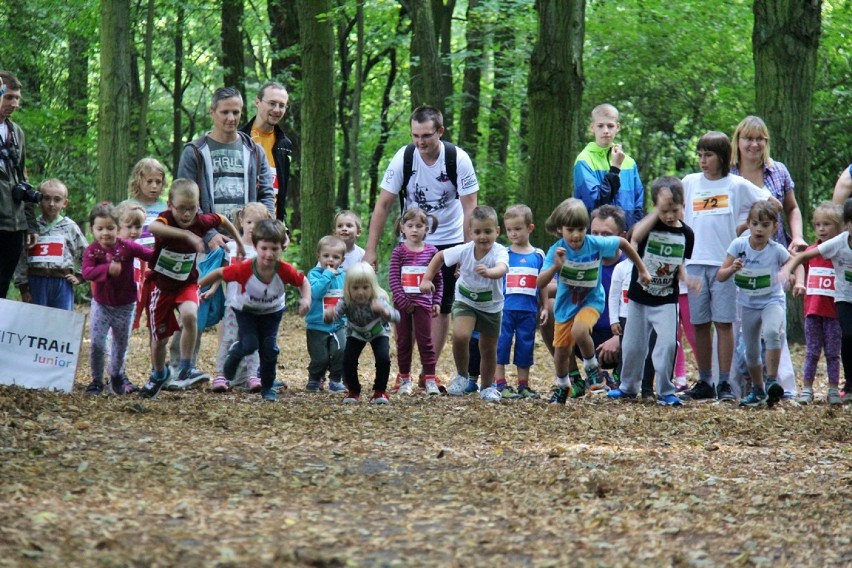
x: 432, y: 388
x: 491, y: 394
x: 457, y: 386
x: 405, y: 387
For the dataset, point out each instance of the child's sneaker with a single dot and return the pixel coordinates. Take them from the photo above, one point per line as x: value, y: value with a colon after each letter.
x: 116, y: 385
x: 254, y: 384
x: 490, y: 394
x: 725, y: 393
x: 526, y: 392
x: 701, y: 390
x: 609, y: 381
x: 188, y: 378
x: 578, y: 388
x: 471, y: 387
x: 508, y: 392
x: 269, y: 395
x: 152, y: 388
x: 221, y: 384
x: 618, y: 394
x: 754, y: 399
x: 669, y: 400
x: 807, y: 395
x: 458, y: 386
x: 379, y: 397
x: 594, y: 382
x: 834, y: 396
x: 313, y: 386
x: 432, y: 387
x: 336, y: 386
x: 774, y: 392
x: 129, y: 387
x: 352, y: 398
x: 95, y: 388
x: 560, y: 395
x: 406, y: 388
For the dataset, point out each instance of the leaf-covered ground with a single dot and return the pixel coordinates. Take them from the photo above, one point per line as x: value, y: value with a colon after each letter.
x: 198, y: 479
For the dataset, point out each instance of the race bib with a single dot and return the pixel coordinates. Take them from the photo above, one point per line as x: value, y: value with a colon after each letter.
x: 710, y: 202
x: 332, y: 298
x: 521, y: 280
x: 665, y: 248
x: 580, y: 274
x: 485, y: 295
x: 820, y: 282
x: 175, y: 265
x: 411, y: 277
x: 145, y: 237
x: 375, y: 330
x: 47, y: 250
x: 753, y: 282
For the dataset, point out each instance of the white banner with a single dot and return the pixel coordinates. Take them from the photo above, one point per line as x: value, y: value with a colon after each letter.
x: 39, y: 347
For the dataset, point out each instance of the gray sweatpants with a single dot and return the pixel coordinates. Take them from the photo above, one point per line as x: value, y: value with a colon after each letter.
x: 769, y: 323
x: 641, y: 320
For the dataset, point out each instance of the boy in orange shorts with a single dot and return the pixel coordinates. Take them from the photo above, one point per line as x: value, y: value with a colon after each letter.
x: 178, y: 238
x: 576, y: 257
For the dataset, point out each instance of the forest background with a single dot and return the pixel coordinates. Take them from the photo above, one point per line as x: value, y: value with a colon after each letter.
x: 107, y: 83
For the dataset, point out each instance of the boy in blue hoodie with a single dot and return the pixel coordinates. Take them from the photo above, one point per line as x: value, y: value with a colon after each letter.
x: 326, y: 340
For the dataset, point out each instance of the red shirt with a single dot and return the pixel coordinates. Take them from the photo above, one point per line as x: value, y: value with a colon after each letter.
x: 174, y: 260
x: 818, y: 304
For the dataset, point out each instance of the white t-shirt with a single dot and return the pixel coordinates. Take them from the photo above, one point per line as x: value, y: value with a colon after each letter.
x: 713, y: 209
x: 484, y: 294
x: 757, y: 283
x: 837, y: 250
x: 431, y: 189
x: 233, y: 289
x: 618, y: 286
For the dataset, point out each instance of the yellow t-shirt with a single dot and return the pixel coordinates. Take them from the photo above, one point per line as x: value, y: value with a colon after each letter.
x: 266, y: 140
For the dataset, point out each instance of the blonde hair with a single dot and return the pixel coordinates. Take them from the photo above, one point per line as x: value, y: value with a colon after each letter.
x: 519, y: 211
x: 254, y: 207
x: 142, y: 168
x: 182, y: 187
x: 347, y: 212
x: 330, y: 241
x: 363, y: 273
x: 832, y: 212
x: 415, y: 213
x: 570, y: 213
x: 604, y: 110
x: 131, y: 211
x: 750, y: 126
x: 53, y: 182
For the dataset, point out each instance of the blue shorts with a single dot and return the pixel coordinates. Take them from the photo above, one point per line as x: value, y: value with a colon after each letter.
x: 520, y: 325
x: 52, y: 291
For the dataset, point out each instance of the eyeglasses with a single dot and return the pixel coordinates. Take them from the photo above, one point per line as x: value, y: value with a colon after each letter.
x: 754, y: 139
x: 423, y: 137
x: 275, y: 104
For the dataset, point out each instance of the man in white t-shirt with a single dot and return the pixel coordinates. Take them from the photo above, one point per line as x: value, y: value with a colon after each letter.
x: 431, y: 189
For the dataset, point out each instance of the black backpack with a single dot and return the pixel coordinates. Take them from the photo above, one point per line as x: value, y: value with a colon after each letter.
x: 408, y: 163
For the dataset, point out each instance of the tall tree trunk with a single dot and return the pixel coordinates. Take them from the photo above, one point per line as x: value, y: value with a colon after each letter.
x: 344, y: 104
x: 114, y: 101
x: 141, y: 96
x: 384, y: 129
x: 177, y: 99
x: 555, y: 93
x: 317, y: 121
x: 77, y: 96
x: 474, y: 61
x: 355, y: 118
x: 233, y: 61
x: 425, y: 68
x: 785, y: 40
x: 287, y: 67
x: 500, y: 117
x: 442, y: 15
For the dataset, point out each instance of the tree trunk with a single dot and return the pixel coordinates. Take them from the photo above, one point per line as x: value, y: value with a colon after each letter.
x: 141, y: 146
x: 233, y: 62
x: 355, y: 118
x: 114, y: 101
x: 785, y: 41
x: 425, y: 68
x: 317, y: 122
x: 77, y: 96
x: 555, y: 92
x: 344, y: 108
x: 471, y: 85
x: 442, y: 14
x: 500, y: 117
x: 287, y: 67
x: 384, y: 129
x: 177, y: 98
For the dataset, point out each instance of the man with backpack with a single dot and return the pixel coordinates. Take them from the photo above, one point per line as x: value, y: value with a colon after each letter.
x: 439, y: 178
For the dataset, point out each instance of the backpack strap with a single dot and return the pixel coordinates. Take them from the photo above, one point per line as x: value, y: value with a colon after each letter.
x: 450, y: 159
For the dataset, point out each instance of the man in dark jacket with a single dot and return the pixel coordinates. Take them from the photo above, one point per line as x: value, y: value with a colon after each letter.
x: 271, y: 103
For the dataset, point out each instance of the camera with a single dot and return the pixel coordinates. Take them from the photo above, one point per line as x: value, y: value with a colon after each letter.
x: 25, y: 192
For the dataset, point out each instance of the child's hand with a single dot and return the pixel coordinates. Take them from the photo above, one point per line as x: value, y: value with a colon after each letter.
x: 644, y: 276
x: 27, y: 297
x: 328, y: 315
x: 694, y: 283
x: 559, y: 258
x: 114, y: 268
x: 72, y: 278
x: 241, y: 251
x: 481, y: 270
x: 798, y: 290
x: 738, y: 264
x: 304, y: 306
x: 196, y: 241
x: 427, y: 287
x: 543, y: 316
x: 436, y: 310
x: 616, y: 328
x: 378, y: 308
x: 616, y: 157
